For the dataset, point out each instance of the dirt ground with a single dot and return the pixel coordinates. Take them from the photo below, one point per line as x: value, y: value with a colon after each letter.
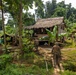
x: 46, y: 52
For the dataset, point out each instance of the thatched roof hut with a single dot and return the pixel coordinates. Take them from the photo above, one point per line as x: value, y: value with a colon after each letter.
x: 41, y: 25
x: 46, y: 23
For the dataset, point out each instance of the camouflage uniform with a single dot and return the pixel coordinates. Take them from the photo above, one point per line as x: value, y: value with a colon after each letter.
x: 56, y: 55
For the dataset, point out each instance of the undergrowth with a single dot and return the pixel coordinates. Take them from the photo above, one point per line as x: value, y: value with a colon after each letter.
x: 15, y: 69
x: 69, y: 62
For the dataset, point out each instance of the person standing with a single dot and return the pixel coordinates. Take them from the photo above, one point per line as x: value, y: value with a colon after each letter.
x: 56, y: 52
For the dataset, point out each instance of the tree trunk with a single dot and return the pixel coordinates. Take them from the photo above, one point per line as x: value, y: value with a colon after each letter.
x: 3, y: 28
x: 20, y: 27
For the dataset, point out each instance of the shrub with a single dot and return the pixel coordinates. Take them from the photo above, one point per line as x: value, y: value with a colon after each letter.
x: 29, y: 57
x: 14, y: 69
x: 4, y: 60
x: 70, y: 60
x: 69, y: 65
x: 28, y: 45
x: 67, y: 72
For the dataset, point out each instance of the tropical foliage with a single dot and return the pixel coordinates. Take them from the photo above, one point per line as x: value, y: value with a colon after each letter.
x: 15, y: 25
x: 52, y: 34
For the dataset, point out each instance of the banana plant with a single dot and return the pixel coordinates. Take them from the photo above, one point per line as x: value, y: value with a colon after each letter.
x: 52, y: 34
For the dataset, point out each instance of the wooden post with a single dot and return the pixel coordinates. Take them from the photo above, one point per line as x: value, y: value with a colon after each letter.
x: 57, y: 34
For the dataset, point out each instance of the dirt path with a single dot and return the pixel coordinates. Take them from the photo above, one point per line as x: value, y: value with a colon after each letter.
x: 46, y: 52
x: 68, y: 49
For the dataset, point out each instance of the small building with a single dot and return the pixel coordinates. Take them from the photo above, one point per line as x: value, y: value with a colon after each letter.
x: 10, y: 39
x: 42, y: 24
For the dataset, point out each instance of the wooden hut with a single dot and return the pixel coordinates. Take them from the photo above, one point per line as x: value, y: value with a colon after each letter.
x: 42, y: 24
x: 10, y: 39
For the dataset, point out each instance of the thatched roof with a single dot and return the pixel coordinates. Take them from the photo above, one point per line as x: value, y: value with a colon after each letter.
x: 46, y: 23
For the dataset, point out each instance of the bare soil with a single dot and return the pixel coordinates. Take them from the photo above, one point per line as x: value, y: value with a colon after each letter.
x: 46, y: 52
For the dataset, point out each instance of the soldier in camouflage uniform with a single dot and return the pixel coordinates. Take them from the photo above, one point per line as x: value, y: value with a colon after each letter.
x: 56, y: 55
